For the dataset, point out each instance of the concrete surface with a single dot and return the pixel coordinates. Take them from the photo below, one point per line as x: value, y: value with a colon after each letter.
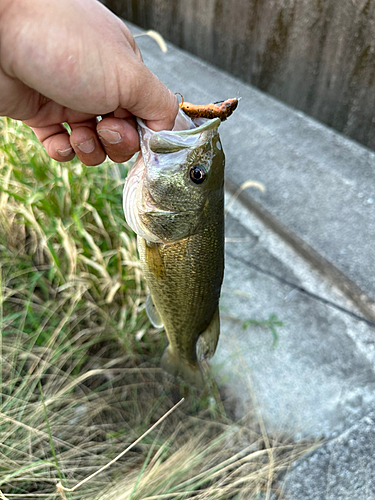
x: 303, y: 252
x: 321, y: 371
x: 319, y: 378
x: 343, y: 469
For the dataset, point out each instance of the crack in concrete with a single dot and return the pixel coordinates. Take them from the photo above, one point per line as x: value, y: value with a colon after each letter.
x: 301, y: 289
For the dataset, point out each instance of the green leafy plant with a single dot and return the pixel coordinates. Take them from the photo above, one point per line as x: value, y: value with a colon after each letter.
x: 272, y: 322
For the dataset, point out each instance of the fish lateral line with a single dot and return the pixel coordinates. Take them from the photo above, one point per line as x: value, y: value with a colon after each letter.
x: 220, y: 109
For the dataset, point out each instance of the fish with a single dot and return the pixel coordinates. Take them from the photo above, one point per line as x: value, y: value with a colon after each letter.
x: 174, y: 201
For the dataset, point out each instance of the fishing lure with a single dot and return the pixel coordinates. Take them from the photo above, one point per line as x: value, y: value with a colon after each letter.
x: 221, y: 109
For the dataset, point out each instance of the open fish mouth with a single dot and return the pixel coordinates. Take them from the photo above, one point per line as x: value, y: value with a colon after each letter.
x: 186, y: 133
x: 173, y: 141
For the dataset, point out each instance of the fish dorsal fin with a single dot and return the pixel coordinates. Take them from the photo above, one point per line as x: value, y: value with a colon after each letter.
x: 207, y: 341
x: 152, y: 313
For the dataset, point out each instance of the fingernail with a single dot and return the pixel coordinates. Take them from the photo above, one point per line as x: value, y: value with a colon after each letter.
x: 87, y: 146
x: 109, y: 136
x: 65, y: 152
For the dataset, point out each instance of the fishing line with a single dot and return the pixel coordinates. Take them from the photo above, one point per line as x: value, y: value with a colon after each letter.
x: 302, y: 289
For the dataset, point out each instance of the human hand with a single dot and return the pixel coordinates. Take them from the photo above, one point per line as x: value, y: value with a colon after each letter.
x: 69, y: 62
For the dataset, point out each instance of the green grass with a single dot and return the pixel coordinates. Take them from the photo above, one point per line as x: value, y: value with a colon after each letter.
x: 80, y: 379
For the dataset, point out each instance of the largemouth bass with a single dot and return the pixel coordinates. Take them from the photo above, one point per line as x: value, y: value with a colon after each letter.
x: 174, y: 201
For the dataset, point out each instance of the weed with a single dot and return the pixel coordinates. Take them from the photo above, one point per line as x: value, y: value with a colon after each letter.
x: 272, y: 322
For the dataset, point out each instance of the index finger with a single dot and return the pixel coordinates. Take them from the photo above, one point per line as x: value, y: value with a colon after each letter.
x: 151, y: 100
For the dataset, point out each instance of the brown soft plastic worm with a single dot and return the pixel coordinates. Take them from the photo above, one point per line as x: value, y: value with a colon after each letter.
x: 220, y: 110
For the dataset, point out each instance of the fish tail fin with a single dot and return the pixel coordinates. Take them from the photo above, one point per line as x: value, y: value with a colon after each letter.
x: 179, y: 368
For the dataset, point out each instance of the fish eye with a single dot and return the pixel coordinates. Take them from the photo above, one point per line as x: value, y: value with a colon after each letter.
x: 198, y: 174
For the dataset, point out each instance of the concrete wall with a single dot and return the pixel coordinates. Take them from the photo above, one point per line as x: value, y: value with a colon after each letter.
x: 316, y: 55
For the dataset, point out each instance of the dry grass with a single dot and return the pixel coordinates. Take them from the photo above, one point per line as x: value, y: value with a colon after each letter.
x: 80, y: 379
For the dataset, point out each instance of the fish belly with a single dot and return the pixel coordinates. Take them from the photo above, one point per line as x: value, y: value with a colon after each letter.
x: 184, y: 279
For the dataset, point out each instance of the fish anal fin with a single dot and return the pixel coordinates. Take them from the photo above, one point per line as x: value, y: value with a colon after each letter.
x: 207, y: 341
x: 179, y: 368
x: 152, y: 313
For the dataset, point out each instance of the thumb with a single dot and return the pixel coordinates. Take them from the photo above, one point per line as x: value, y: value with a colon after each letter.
x: 151, y: 100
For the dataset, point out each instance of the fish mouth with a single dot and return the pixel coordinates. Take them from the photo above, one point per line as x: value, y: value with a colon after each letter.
x: 186, y: 133
x: 206, y: 125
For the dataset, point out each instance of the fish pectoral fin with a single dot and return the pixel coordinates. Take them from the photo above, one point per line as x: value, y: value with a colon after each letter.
x: 152, y: 313
x: 207, y: 341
